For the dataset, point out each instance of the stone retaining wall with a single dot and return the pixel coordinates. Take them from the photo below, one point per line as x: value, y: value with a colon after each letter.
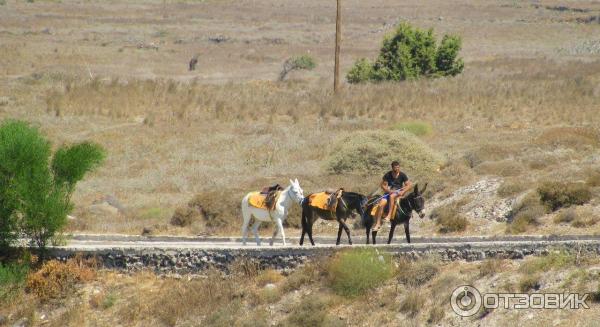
x: 286, y: 258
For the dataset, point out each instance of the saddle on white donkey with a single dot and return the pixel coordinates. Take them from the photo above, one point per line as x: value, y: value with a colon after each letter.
x: 253, y: 205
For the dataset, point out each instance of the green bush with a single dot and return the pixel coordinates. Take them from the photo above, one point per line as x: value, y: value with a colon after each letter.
x: 556, y: 195
x: 410, y: 53
x: 554, y: 260
x: 305, y: 62
x: 373, y: 151
x: 415, y: 127
x: 12, y: 279
x: 360, y: 72
x: 354, y: 272
x: 36, y: 192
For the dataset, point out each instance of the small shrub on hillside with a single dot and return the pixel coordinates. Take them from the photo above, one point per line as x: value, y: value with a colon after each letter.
x: 595, y: 296
x: 311, y: 311
x: 584, y: 217
x: 529, y: 283
x: 504, y: 168
x: 304, y: 275
x: 415, y: 127
x: 224, y: 316
x: 373, y: 151
x: 268, y: 276
x: 57, y: 279
x: 303, y: 62
x: 417, y: 273
x: 490, y: 267
x: 353, y: 272
x: 593, y: 178
x: 410, y: 53
x: 184, y: 216
x: 487, y: 152
x: 449, y: 219
x: 214, y: 208
x: 525, y: 219
x: 556, y: 195
x: 413, y: 303
x: 511, y: 187
x: 436, y: 314
x: 525, y: 213
x: 269, y: 295
x: 565, y: 216
x: 554, y: 260
x: 570, y: 137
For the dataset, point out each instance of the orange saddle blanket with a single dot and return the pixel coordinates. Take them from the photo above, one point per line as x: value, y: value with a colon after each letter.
x: 257, y: 200
x: 319, y: 200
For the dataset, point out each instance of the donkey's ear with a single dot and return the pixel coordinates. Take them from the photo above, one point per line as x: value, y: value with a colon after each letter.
x: 297, y: 183
x: 416, y: 189
x: 291, y: 182
x: 424, y: 188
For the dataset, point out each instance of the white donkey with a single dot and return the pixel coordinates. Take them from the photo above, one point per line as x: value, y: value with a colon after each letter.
x: 289, y: 195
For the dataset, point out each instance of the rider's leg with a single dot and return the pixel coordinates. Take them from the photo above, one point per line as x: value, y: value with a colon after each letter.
x: 393, y: 197
x: 380, y: 208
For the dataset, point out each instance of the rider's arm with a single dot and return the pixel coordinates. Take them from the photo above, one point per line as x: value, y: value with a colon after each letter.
x: 406, y: 187
x: 384, y: 186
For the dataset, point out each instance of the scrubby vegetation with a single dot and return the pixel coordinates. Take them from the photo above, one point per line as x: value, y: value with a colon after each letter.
x: 73, y: 293
x: 57, y: 279
x: 372, y: 152
x: 12, y: 279
x: 417, y: 128
x: 449, y: 218
x: 556, y: 195
x: 525, y: 213
x: 417, y: 273
x: 410, y: 53
x: 356, y: 271
x: 305, y: 62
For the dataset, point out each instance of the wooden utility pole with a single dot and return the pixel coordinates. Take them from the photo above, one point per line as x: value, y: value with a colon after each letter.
x: 338, y: 27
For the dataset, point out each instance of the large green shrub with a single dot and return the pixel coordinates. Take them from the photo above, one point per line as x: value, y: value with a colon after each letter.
x: 373, y: 151
x: 354, y: 272
x: 410, y: 53
x: 35, y: 190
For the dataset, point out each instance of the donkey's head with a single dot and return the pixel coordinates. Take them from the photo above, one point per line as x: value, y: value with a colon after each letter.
x: 296, y: 191
x: 418, y: 202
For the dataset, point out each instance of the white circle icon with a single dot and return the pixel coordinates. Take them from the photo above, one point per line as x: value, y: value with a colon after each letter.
x: 466, y: 300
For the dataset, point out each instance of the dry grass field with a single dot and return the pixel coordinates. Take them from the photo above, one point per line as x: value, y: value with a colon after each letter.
x: 525, y: 110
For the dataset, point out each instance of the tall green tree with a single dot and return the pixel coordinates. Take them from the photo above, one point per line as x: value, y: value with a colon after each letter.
x: 35, y: 189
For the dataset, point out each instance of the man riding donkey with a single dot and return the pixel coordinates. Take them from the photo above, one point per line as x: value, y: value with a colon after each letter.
x: 394, y: 184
